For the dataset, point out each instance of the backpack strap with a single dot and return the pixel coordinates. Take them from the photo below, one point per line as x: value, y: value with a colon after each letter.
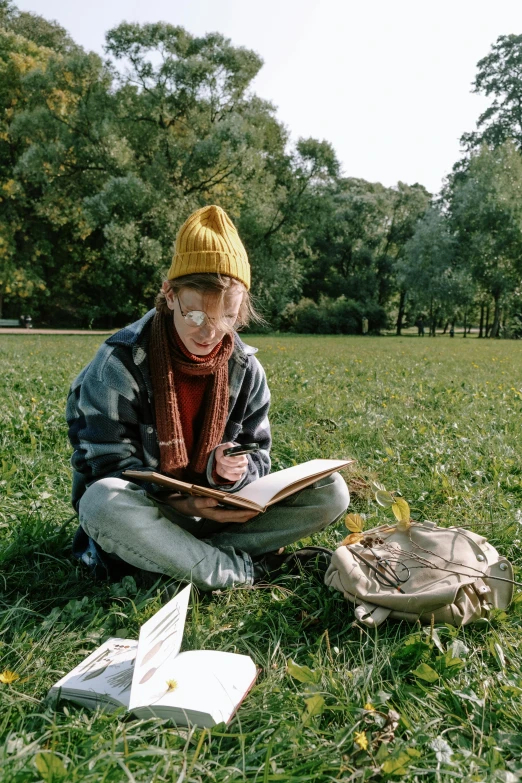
x: 371, y: 615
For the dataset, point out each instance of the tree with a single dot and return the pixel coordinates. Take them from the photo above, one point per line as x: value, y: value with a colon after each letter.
x: 35, y: 28
x: 20, y: 273
x: 427, y: 270
x: 110, y: 164
x: 500, y: 75
x: 486, y: 214
x: 409, y: 203
x: 278, y: 218
x: 359, y: 233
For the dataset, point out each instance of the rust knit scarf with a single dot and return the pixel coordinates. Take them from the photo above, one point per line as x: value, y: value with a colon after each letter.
x: 165, y: 358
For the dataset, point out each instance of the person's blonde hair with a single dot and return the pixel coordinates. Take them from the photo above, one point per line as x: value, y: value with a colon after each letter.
x: 215, y: 287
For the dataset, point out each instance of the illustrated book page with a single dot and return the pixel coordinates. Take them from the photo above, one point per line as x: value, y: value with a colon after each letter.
x: 103, y: 678
x: 159, y: 642
x: 151, y: 677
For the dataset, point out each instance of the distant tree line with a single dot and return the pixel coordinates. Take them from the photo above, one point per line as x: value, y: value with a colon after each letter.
x: 102, y: 160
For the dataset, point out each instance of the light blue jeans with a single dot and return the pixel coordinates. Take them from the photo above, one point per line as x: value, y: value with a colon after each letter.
x: 125, y: 521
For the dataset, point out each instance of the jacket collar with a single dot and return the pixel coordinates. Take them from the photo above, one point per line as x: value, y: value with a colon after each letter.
x: 136, y: 336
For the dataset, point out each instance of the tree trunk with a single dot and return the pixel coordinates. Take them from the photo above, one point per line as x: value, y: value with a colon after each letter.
x: 445, y: 327
x: 400, y: 314
x: 481, y: 325
x: 1, y: 303
x: 465, y: 323
x: 496, y: 318
x: 487, y: 321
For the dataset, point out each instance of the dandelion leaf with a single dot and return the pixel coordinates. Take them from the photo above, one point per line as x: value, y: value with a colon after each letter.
x: 301, y: 673
x: 314, y: 705
x: 426, y: 673
x: 50, y: 766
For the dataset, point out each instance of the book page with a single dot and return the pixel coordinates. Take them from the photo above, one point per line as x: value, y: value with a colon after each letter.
x: 160, y: 641
x: 107, y: 672
x: 203, y: 681
x: 264, y: 489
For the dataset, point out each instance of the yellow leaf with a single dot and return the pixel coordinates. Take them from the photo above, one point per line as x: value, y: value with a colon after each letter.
x: 401, y: 510
x: 353, y: 538
x: 7, y: 677
x: 361, y: 740
x: 369, y: 707
x: 354, y: 523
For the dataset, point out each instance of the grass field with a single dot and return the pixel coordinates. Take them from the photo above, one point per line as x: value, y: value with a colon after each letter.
x: 438, y: 419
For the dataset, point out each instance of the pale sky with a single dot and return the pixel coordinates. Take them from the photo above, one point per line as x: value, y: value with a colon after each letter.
x: 387, y: 82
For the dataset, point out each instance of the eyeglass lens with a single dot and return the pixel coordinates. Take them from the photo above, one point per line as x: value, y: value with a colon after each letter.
x: 198, y: 317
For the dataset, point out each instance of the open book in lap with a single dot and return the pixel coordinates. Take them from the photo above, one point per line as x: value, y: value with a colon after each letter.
x: 151, y: 677
x: 259, y: 494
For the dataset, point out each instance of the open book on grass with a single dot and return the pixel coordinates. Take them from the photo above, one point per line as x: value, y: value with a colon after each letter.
x: 259, y: 494
x: 152, y: 677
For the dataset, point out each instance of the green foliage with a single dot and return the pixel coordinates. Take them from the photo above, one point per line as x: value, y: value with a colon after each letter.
x: 486, y: 215
x: 499, y: 76
x: 101, y: 162
x: 332, y: 316
x: 104, y: 162
x: 428, y: 273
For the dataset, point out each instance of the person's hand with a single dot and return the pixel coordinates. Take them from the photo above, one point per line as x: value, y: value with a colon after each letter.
x: 207, y: 508
x: 231, y: 468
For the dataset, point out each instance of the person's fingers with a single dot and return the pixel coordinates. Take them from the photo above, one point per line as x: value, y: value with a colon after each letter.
x: 229, y: 464
x: 221, y: 448
x: 203, y: 502
x: 225, y: 516
x: 193, y: 507
x: 231, y: 475
x: 237, y: 464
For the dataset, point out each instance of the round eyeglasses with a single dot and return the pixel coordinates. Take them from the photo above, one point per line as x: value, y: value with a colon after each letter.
x: 199, y: 318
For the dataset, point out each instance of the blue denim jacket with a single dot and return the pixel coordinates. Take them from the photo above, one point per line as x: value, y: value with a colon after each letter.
x: 110, y: 413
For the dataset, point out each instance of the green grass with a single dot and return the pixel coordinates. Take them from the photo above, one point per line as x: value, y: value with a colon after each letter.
x: 438, y: 419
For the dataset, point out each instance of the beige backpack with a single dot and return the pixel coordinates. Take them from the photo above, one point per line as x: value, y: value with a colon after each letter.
x: 427, y: 573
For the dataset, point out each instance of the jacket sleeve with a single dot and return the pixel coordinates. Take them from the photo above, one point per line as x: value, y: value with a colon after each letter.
x: 255, y: 428
x: 102, y: 413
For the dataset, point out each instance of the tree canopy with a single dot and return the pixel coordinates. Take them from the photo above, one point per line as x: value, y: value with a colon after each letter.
x: 101, y: 162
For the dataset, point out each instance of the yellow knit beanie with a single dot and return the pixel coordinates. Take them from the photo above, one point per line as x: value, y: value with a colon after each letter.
x: 208, y: 242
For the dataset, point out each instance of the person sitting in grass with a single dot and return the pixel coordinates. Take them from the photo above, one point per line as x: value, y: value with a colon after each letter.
x: 171, y: 392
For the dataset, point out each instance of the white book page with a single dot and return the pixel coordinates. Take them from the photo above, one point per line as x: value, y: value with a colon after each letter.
x: 106, y: 672
x: 159, y: 642
x: 265, y: 488
x: 205, y: 681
